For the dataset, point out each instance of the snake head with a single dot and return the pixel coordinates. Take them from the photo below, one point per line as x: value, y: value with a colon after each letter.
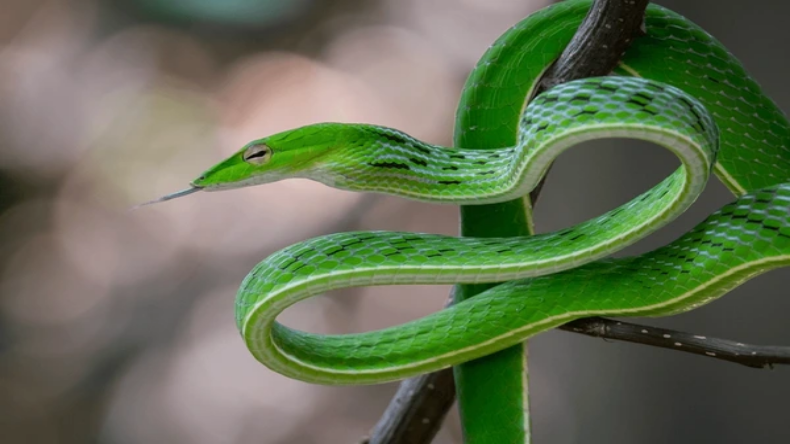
x: 289, y: 154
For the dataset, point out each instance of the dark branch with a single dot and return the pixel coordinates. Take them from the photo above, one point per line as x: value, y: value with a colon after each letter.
x: 596, y: 48
x: 601, y: 40
x: 594, y: 51
x: 417, y: 410
x: 415, y: 414
x: 755, y: 356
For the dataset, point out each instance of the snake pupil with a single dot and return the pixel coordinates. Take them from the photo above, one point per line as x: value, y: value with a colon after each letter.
x: 257, y: 154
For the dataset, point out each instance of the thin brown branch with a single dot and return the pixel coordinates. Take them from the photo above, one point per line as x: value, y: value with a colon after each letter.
x: 594, y: 50
x: 601, y: 40
x: 755, y: 356
x: 419, y: 406
x: 416, y: 411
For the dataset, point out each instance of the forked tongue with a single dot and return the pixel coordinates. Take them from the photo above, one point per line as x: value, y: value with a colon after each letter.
x: 170, y: 196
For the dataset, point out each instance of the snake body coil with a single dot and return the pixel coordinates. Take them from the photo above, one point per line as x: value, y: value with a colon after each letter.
x: 697, y: 98
x: 685, y: 92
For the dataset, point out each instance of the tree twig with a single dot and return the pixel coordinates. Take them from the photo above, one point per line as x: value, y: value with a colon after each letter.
x: 595, y: 50
x: 416, y: 411
x: 754, y: 356
x: 600, y: 41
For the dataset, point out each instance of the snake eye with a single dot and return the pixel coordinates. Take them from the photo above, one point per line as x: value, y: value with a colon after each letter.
x: 257, y: 154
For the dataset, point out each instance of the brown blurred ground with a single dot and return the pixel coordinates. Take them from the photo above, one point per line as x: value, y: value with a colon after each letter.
x: 117, y: 327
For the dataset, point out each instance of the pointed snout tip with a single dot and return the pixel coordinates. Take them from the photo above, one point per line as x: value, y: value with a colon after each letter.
x: 192, y: 189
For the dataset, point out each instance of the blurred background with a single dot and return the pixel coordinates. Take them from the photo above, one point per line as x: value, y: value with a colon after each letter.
x: 117, y: 327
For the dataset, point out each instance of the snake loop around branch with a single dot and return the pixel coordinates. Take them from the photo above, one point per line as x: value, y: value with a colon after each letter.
x: 683, y: 91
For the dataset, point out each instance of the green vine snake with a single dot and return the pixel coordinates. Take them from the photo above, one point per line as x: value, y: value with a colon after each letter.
x: 677, y: 87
